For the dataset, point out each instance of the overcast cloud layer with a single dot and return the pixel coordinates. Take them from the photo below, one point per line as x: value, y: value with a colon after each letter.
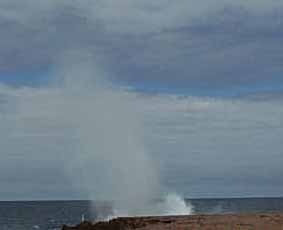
x: 185, y: 44
x: 205, y: 146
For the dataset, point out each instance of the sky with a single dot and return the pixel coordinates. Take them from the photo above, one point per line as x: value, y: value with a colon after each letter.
x: 205, y: 78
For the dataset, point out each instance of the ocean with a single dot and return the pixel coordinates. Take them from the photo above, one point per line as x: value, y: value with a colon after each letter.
x: 51, y: 215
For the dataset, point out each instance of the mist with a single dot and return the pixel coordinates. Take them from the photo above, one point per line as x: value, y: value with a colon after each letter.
x: 109, y: 139
x: 95, y: 130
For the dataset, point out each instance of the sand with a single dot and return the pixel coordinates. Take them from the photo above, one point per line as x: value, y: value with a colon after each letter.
x: 260, y: 221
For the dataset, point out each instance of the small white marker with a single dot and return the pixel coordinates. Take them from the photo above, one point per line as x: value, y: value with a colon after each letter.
x: 83, y: 218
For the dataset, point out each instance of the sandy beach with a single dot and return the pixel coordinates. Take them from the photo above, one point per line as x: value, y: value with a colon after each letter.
x: 259, y: 221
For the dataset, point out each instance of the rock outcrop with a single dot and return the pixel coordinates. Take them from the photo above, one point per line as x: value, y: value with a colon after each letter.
x: 267, y: 221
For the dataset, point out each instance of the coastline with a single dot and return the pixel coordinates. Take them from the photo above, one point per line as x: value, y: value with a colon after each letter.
x: 258, y: 221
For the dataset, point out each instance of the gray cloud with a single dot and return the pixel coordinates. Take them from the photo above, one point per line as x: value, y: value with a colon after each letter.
x: 186, y: 44
x: 215, y: 147
x: 202, y: 146
x: 230, y: 146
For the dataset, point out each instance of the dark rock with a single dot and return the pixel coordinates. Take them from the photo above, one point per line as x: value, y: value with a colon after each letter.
x: 270, y: 221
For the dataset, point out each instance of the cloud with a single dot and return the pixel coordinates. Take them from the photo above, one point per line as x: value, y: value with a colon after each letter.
x: 203, y: 146
x: 126, y: 16
x: 218, y: 147
x: 185, y: 44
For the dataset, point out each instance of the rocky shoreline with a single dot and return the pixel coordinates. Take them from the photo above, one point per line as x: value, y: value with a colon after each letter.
x: 259, y: 221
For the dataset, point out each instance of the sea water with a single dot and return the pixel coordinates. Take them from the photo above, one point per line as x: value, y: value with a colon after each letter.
x: 51, y: 215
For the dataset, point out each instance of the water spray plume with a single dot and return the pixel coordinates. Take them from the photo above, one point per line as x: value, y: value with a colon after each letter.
x: 111, y: 154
